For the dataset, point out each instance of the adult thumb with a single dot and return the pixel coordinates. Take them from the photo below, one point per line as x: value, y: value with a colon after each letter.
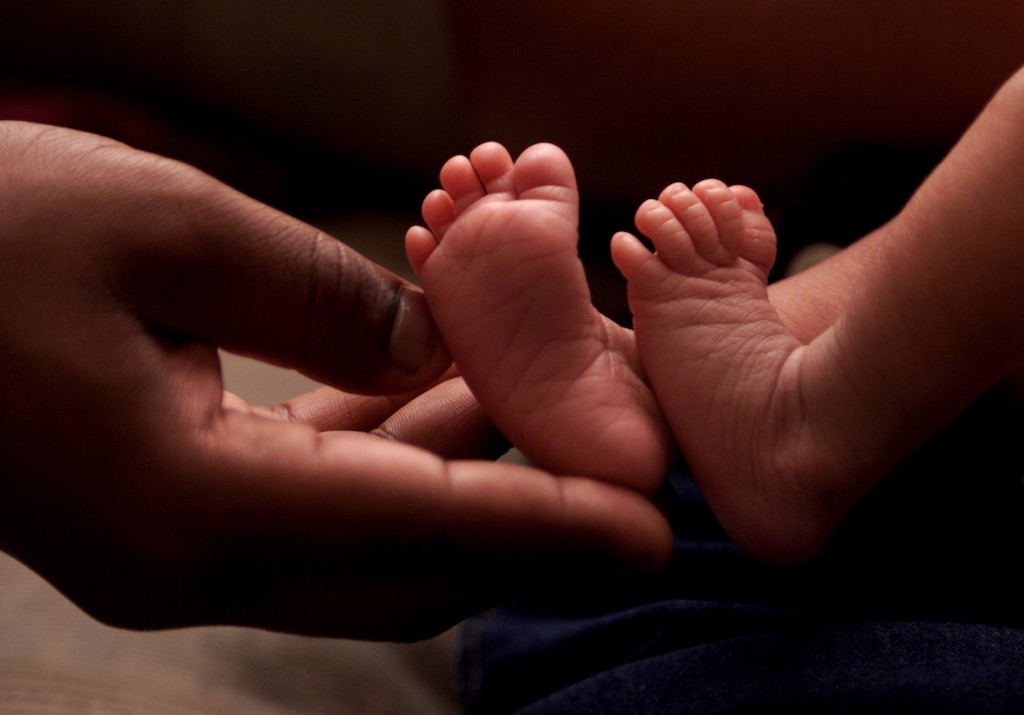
x: 256, y: 281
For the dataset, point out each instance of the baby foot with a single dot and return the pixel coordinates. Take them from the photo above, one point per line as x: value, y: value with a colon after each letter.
x: 504, y: 283
x: 724, y: 368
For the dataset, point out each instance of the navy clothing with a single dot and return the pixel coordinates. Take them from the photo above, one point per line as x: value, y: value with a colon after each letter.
x: 916, y: 606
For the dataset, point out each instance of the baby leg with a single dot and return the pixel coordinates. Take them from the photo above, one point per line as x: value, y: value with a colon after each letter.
x: 785, y: 437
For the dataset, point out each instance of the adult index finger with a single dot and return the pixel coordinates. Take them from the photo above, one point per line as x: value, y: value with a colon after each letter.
x: 223, y: 267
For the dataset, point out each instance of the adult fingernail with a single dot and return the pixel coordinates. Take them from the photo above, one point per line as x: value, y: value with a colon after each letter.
x: 415, y: 341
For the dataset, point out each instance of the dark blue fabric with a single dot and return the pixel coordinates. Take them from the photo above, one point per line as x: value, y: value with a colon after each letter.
x: 915, y: 607
x: 879, y: 668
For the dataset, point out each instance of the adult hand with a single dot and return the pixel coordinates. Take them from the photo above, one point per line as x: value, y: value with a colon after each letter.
x: 134, y: 484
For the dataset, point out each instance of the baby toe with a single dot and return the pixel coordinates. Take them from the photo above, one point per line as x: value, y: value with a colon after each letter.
x: 438, y: 212
x: 492, y: 164
x: 460, y: 180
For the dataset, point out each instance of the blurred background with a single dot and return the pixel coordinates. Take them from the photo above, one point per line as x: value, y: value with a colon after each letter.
x: 342, y: 112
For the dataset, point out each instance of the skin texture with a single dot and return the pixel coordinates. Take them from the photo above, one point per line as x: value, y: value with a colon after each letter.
x: 786, y: 436
x: 500, y: 259
x: 728, y: 375
x: 133, y: 483
x: 786, y: 424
